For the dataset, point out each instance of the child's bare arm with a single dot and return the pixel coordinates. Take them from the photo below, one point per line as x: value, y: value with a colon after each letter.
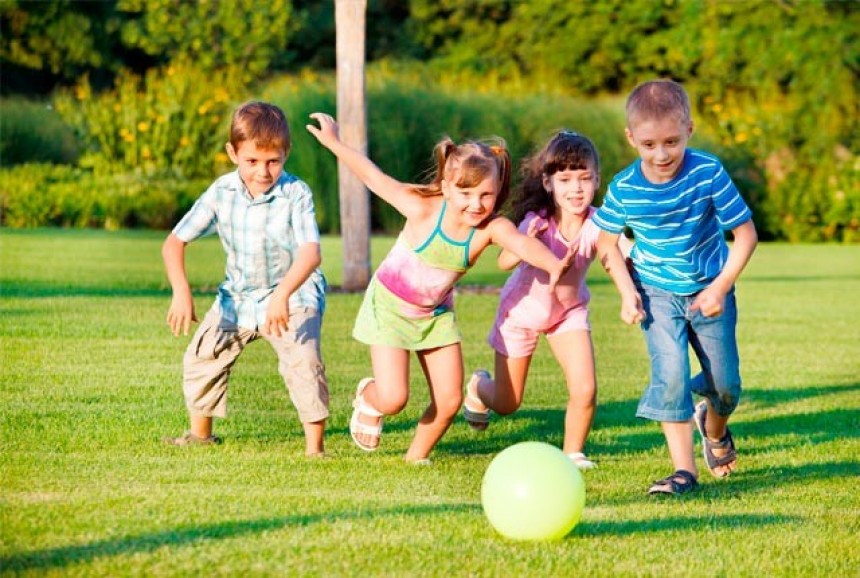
x: 278, y: 312
x: 508, y: 260
x: 528, y: 249
x: 711, y: 300
x: 398, y: 195
x: 625, y: 245
x: 613, y: 261
x: 181, y: 313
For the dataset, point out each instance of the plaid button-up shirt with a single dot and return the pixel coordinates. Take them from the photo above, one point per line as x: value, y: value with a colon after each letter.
x: 261, y: 237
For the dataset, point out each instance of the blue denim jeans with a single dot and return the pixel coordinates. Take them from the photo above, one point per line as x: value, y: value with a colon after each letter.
x: 670, y: 328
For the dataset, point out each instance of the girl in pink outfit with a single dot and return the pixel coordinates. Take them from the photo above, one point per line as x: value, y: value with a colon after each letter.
x: 553, y: 204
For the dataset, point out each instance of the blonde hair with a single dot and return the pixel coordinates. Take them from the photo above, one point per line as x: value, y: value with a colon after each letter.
x: 469, y: 163
x: 262, y: 123
x: 658, y: 99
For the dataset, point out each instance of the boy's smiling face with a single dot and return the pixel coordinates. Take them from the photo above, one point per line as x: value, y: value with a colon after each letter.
x: 661, y: 144
x: 259, y: 167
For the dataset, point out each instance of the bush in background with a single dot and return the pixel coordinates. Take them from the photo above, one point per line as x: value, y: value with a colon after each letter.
x: 33, y: 132
x: 174, y: 120
x: 39, y: 195
x: 406, y: 120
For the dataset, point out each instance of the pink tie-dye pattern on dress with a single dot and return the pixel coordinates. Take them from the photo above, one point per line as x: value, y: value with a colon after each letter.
x: 422, y: 286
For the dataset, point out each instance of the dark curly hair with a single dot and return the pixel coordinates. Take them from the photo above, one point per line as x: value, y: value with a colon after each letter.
x: 567, y: 150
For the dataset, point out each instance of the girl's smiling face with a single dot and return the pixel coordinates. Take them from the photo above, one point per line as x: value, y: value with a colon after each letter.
x: 472, y: 204
x: 572, y: 190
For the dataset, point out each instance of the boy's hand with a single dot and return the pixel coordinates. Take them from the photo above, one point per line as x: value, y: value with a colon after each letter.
x: 327, y: 133
x: 710, y: 301
x: 631, y: 309
x: 181, y: 314
x: 277, y: 315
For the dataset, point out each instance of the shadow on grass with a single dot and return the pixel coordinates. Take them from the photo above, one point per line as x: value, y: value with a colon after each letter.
x: 695, y: 523
x: 548, y: 424
x: 38, y: 290
x: 69, y: 555
x: 786, y: 395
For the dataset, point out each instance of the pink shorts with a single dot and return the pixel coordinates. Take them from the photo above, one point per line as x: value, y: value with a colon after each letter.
x: 512, y: 339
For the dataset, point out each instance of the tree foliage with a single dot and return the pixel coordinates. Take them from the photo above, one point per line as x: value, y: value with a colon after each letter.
x: 775, y: 83
x: 211, y: 33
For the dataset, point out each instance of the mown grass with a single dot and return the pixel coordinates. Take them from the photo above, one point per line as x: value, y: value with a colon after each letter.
x: 90, y: 382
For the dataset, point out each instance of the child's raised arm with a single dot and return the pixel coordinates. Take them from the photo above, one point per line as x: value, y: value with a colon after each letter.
x: 528, y: 249
x: 398, y: 195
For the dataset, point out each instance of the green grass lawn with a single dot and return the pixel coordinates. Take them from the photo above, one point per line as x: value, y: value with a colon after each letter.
x: 90, y: 381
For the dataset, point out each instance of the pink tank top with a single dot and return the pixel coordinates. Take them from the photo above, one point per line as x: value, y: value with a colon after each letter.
x: 526, y: 296
x: 425, y: 276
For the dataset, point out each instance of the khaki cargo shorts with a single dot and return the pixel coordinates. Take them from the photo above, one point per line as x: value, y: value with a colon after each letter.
x: 213, y: 351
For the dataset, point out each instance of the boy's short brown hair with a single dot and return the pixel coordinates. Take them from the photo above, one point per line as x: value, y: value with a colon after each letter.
x: 657, y: 99
x: 263, y: 123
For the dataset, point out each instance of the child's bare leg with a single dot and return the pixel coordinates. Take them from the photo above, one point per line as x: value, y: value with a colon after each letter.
x: 389, y: 390
x: 504, y: 394
x: 575, y: 354
x: 314, y: 436
x: 201, y: 425
x: 715, y: 429
x: 443, y: 368
x: 679, y: 439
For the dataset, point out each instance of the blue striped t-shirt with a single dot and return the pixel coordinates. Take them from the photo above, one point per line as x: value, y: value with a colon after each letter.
x: 678, y: 226
x: 261, y: 237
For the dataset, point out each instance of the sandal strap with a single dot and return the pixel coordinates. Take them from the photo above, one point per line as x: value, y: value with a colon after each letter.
x: 358, y: 427
x: 361, y: 405
x: 689, y: 483
x: 474, y: 416
x: 581, y: 461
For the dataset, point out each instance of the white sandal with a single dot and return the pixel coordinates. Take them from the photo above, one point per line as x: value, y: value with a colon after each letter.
x: 477, y: 419
x: 360, y: 407
x: 581, y: 462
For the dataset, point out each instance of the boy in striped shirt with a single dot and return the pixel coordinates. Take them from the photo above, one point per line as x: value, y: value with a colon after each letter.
x: 678, y: 202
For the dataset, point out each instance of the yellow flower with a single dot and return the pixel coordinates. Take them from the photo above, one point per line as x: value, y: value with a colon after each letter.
x: 221, y: 158
x: 741, y: 137
x: 146, y: 153
x: 717, y: 107
x: 143, y: 126
x: 184, y: 141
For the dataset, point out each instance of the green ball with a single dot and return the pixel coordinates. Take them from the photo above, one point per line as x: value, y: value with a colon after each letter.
x: 532, y: 491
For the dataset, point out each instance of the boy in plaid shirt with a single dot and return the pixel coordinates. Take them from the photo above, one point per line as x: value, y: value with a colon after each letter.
x: 273, y: 288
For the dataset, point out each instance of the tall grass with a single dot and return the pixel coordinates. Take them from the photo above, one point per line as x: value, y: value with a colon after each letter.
x: 406, y: 119
x: 90, y: 381
x: 33, y: 132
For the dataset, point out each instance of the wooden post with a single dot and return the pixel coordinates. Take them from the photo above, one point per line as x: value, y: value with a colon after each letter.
x: 352, y: 117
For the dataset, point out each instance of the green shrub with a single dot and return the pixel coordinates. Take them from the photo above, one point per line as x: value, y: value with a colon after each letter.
x: 406, y: 120
x: 33, y: 132
x: 38, y: 195
x: 174, y: 119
